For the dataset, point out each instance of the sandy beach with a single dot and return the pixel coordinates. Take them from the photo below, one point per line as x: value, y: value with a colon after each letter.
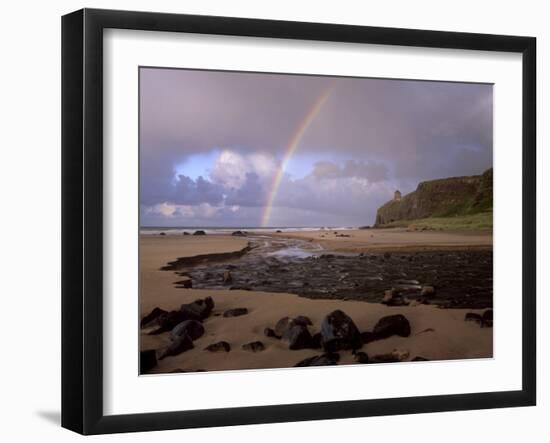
x: 395, y: 239
x: 436, y: 334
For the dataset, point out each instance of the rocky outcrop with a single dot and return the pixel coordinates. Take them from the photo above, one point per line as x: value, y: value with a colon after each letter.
x: 445, y: 197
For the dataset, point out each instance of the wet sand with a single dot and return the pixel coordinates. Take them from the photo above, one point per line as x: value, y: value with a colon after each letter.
x: 448, y: 335
x: 395, y: 239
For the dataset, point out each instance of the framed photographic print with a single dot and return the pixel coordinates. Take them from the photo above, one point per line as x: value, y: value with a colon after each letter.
x: 269, y: 221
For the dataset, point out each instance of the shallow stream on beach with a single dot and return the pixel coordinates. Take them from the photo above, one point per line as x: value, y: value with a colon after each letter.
x: 463, y: 279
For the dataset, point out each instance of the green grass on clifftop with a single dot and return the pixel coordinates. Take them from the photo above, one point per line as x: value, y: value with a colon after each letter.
x: 480, y: 221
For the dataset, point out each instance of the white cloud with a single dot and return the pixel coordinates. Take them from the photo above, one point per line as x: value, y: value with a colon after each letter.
x: 231, y: 168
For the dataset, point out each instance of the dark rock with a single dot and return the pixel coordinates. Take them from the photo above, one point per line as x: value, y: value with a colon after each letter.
x: 392, y: 325
x: 235, y: 312
x: 167, y: 321
x: 384, y: 358
x: 298, y: 337
x: 328, y: 359
x: 186, y: 283
x: 255, y: 346
x: 278, y: 231
x: 268, y: 332
x: 186, y: 233
x: 472, y: 316
x: 198, y: 310
x: 221, y: 346
x: 361, y: 357
x: 151, y: 318
x: 418, y: 358
x: 393, y: 297
x: 281, y: 326
x: 487, y: 319
x: 316, y: 341
x: 199, y: 233
x: 147, y: 361
x: 180, y: 344
x: 303, y: 320
x: 192, y: 328
x: 286, y: 323
x: 367, y: 337
x: 427, y: 291
x: 238, y: 234
x: 339, y: 332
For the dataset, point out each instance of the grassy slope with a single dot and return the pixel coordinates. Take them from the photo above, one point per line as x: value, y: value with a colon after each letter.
x: 481, y: 220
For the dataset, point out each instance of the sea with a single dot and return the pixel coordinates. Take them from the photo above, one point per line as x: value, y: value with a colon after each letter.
x: 225, y: 230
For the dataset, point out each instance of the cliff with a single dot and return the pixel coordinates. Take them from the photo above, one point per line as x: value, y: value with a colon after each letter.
x: 447, y: 197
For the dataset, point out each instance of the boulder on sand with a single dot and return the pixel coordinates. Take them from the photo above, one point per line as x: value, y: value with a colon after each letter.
x: 472, y: 316
x: 268, y: 332
x: 151, y: 318
x: 192, y: 328
x: 392, y: 325
x: 167, y: 321
x: 298, y: 337
x: 221, y: 346
x: 238, y: 234
x: 328, y: 359
x: 361, y: 357
x: 180, y: 344
x: 198, y: 310
x: 255, y: 346
x: 285, y: 323
x: 199, y: 233
x: 235, y: 312
x: 339, y: 332
x: 487, y: 319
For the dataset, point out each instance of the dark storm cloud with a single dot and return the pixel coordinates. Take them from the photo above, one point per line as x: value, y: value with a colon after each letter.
x: 370, y: 137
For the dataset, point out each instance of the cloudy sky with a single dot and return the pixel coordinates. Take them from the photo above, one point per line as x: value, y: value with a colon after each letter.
x: 213, y: 143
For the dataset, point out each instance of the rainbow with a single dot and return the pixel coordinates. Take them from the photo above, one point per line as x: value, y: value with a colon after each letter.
x: 289, y: 151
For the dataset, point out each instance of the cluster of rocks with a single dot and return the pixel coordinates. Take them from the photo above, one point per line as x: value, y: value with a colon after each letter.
x: 484, y: 320
x: 185, y: 326
x: 338, y: 333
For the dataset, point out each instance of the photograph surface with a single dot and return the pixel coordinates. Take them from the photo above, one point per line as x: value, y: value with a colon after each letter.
x: 301, y: 220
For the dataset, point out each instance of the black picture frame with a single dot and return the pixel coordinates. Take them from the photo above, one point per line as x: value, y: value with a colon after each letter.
x: 82, y: 218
